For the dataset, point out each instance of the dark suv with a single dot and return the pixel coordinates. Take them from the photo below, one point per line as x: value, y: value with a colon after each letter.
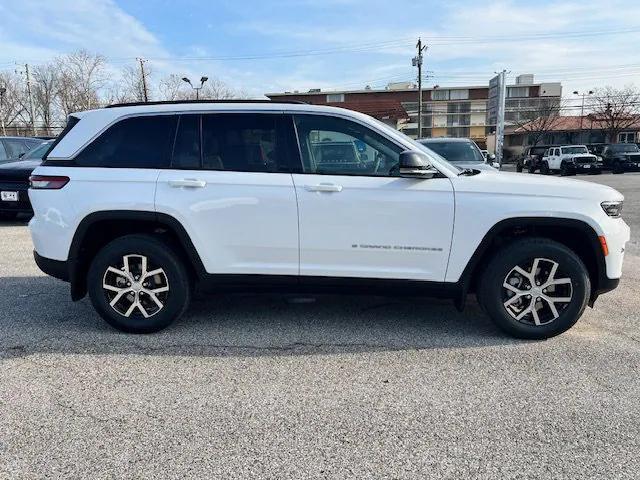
x: 531, y: 158
x: 621, y: 157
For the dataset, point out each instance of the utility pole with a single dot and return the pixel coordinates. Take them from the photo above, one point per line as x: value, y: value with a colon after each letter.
x: 144, y: 79
x: 583, y: 95
x: 502, y: 94
x: 33, y: 118
x: 417, y: 62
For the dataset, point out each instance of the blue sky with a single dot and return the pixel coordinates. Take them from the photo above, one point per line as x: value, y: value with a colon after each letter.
x: 336, y: 44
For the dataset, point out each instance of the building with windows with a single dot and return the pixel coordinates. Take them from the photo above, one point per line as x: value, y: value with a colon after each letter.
x: 446, y: 111
x: 572, y: 130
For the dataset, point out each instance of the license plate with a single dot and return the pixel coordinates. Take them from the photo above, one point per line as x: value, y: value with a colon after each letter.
x: 9, y: 196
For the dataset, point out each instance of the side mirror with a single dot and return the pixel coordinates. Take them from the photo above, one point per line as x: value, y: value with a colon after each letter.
x: 415, y: 165
x: 491, y: 157
x: 495, y: 165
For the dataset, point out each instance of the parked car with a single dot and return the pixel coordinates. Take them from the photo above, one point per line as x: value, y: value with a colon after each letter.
x: 12, y: 148
x: 621, y: 157
x: 462, y: 152
x: 14, y: 182
x: 569, y: 160
x: 530, y: 158
x: 144, y: 203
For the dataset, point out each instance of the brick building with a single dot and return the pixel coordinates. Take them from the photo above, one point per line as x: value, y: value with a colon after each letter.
x: 447, y: 111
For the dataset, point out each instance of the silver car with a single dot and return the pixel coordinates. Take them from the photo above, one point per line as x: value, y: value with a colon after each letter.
x: 462, y: 152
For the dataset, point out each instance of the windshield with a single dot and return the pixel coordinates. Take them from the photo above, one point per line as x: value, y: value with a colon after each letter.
x: 628, y: 147
x: 38, y: 152
x: 574, y: 150
x: 456, y: 152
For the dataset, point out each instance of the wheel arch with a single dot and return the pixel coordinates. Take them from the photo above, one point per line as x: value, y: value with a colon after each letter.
x: 577, y: 235
x: 99, y: 228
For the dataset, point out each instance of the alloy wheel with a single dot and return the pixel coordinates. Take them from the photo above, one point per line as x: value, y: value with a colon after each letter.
x: 135, y: 287
x: 536, y: 293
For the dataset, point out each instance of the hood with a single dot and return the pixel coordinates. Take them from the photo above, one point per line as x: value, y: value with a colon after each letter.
x: 475, y: 166
x: 509, y: 183
x: 18, y: 170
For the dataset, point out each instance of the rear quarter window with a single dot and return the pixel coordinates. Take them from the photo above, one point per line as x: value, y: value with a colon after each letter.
x: 137, y: 142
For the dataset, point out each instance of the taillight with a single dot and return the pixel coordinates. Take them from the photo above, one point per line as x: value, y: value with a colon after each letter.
x: 47, y: 182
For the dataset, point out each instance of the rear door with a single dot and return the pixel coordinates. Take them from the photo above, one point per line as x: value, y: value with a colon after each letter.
x: 230, y: 187
x: 357, y: 217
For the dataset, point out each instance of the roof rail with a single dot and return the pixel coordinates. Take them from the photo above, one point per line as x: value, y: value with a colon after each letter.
x: 178, y: 102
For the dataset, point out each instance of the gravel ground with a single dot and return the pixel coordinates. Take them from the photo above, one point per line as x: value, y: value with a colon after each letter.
x: 344, y: 387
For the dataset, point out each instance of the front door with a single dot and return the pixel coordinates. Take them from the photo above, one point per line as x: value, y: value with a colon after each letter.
x: 230, y: 187
x: 357, y: 217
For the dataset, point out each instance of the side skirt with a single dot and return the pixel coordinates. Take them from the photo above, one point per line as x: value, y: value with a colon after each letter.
x: 328, y: 285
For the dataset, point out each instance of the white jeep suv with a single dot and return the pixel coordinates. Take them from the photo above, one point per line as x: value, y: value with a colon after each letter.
x: 140, y: 204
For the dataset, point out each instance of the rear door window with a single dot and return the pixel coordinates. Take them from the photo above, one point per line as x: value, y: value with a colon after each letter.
x: 186, y: 151
x: 247, y: 142
x: 137, y: 142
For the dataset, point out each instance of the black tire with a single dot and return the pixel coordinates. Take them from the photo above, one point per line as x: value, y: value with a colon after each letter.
x: 519, y: 168
x: 564, y: 171
x: 159, y: 255
x: 617, y: 168
x: 544, y: 168
x: 532, y: 169
x: 492, y: 294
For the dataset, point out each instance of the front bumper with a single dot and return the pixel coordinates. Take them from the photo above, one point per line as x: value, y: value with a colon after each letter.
x: 593, y: 168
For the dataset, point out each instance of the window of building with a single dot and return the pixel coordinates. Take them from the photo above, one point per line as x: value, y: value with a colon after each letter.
x: 517, y: 92
x: 627, y: 137
x: 138, y: 142
x: 459, y: 94
x: 243, y: 142
x: 440, y: 94
x: 335, y: 97
x: 335, y: 146
x: 186, y: 150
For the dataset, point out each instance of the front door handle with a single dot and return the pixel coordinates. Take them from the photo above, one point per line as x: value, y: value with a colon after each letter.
x: 324, y: 187
x: 188, y: 182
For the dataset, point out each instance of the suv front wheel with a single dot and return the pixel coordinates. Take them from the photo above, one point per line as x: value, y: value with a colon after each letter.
x: 138, y: 285
x: 535, y: 288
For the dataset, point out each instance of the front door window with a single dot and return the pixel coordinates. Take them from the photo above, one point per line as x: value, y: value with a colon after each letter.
x: 333, y: 146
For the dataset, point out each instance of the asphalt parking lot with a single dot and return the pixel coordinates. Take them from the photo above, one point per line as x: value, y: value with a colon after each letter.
x: 342, y: 387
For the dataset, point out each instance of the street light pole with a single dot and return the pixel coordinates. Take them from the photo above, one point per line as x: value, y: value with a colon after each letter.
x: 197, y: 89
x: 583, y: 95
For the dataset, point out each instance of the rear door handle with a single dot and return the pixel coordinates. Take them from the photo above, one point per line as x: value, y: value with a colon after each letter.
x: 324, y: 187
x: 188, y: 182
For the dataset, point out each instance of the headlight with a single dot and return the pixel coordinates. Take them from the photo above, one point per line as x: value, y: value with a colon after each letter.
x: 613, y: 209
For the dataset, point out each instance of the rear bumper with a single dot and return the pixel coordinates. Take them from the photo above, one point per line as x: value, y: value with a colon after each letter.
x: 55, y: 268
x: 23, y: 205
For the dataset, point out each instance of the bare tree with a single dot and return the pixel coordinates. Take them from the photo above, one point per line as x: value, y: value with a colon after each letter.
x: 536, y: 122
x: 128, y: 87
x: 12, y: 99
x: 45, y: 84
x: 616, y: 109
x: 81, y: 80
x: 172, y: 87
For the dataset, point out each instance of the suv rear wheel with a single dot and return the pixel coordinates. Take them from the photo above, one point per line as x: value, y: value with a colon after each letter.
x: 138, y: 285
x: 535, y: 288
